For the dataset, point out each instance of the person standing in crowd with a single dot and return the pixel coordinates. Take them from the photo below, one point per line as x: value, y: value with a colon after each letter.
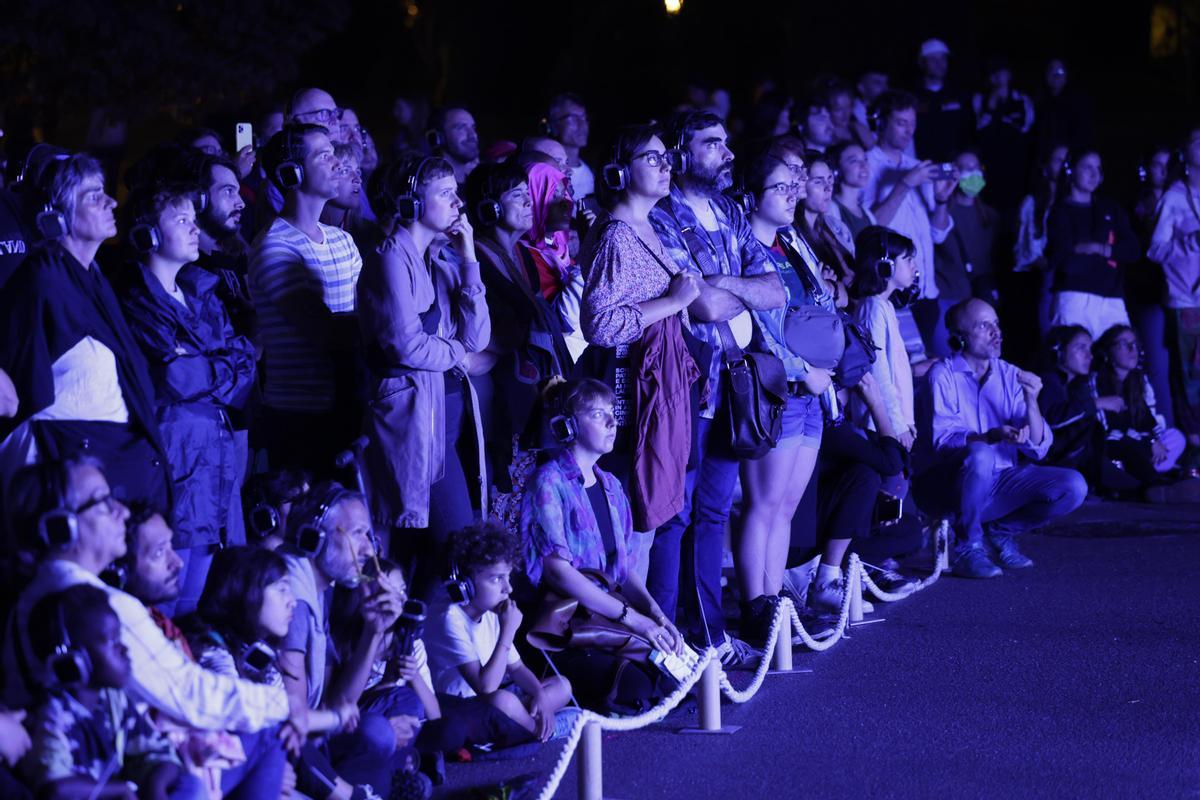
x: 452, y: 135
x: 821, y: 224
x: 548, y: 244
x: 567, y: 122
x: 82, y: 380
x: 1031, y: 270
x: 943, y: 113
x: 1004, y: 118
x: 773, y: 485
x: 884, y: 265
x: 871, y: 84
x: 303, y: 275
x: 345, y: 210
x: 424, y: 314
x: 985, y: 415
x: 705, y: 232
x: 813, y: 122
x: 223, y: 251
x: 1175, y: 244
x: 201, y: 372
x: 1089, y: 242
x: 1064, y: 114
x: 527, y: 348
x: 634, y: 310
x: 1145, y: 284
x: 911, y: 197
x: 852, y: 172
x: 964, y: 260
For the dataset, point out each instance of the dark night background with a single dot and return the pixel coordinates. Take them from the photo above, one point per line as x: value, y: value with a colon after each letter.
x: 163, y: 65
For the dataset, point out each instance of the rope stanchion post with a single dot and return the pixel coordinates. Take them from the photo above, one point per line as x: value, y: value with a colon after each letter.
x: 855, y: 588
x: 710, y: 702
x: 781, y: 658
x: 591, y: 772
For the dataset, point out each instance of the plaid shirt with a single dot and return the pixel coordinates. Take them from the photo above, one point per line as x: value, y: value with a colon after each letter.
x: 739, y: 254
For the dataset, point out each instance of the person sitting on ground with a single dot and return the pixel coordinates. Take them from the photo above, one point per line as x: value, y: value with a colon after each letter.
x: 1136, y: 433
x: 65, y: 511
x: 985, y: 416
x: 90, y: 738
x: 273, y: 494
x: 1070, y: 403
x: 247, y: 767
x: 472, y: 650
x: 575, y: 516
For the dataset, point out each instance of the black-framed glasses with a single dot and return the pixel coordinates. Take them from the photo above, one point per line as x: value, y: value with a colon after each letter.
x: 783, y: 188
x: 323, y: 116
x: 107, y: 503
x: 655, y: 159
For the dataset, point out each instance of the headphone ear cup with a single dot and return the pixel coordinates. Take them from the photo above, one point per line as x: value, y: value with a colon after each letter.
x: 747, y: 202
x: 564, y: 429
x: 958, y: 342
x: 52, y: 223
x: 615, y: 177
x: 58, y: 529
x: 310, y: 540
x: 433, y: 138
x: 886, y: 267
x: 144, y: 238
x: 289, y: 174
x: 409, y: 208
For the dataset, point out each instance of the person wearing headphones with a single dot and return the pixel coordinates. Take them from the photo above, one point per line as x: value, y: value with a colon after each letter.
x: 985, y: 417
x: 707, y: 234
x: 452, y: 135
x: 302, y: 277
x: 576, y: 516
x: 528, y: 345
x: 1089, y: 241
x: 424, y: 316
x: 201, y: 371
x: 328, y: 543
x: 65, y: 512
x: 634, y: 309
x: 81, y: 378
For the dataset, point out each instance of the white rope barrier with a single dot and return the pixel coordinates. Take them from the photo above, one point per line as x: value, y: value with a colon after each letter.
x: 856, y: 577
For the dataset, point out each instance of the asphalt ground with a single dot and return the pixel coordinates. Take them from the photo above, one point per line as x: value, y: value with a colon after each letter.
x: 1076, y: 678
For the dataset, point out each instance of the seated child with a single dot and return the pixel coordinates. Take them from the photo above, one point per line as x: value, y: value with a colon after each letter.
x: 471, y: 648
x: 89, y: 740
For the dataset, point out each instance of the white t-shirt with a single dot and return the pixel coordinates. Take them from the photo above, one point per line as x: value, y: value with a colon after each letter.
x: 454, y: 639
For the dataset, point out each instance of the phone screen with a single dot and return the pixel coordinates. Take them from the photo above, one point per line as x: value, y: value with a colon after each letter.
x: 244, y: 136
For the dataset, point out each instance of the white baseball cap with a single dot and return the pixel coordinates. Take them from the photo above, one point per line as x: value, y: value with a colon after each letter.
x: 931, y: 47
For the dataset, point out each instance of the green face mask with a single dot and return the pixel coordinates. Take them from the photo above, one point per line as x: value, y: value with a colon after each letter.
x: 971, y: 183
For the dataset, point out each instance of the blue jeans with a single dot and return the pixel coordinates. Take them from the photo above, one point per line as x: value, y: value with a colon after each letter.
x: 708, y: 495
x: 366, y: 756
x: 261, y: 774
x: 1007, y: 501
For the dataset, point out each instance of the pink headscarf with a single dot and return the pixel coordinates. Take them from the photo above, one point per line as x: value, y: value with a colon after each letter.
x: 544, y: 180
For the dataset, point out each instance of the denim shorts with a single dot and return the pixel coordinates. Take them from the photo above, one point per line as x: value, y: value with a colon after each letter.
x: 803, y: 421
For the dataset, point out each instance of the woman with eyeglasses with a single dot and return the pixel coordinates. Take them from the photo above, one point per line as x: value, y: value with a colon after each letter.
x: 635, y: 307
x: 773, y: 485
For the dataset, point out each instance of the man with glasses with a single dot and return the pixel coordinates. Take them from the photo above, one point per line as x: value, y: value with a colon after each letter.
x: 985, y: 418
x: 302, y: 277
x: 567, y: 122
x: 65, y: 512
x: 706, y: 233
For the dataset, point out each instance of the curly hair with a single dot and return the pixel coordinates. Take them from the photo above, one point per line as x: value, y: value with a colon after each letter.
x: 483, y: 544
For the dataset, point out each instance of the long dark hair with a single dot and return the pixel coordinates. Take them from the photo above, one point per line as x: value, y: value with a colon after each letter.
x: 1133, y: 390
x: 233, y: 593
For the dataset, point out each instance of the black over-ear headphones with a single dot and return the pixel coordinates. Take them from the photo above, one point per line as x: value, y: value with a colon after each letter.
x: 435, y: 139
x: 58, y: 528
x: 488, y: 209
x: 684, y: 158
x: 309, y: 536
x: 615, y: 175
x: 885, y: 265
x: 460, y: 586
x: 144, y: 236
x: 410, y: 206
x: 68, y: 665
x: 290, y: 172
x: 51, y: 220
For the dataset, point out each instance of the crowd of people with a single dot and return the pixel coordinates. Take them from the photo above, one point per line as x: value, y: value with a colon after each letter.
x: 321, y: 467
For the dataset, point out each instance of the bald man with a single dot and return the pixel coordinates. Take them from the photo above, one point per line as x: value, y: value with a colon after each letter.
x: 987, y: 429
